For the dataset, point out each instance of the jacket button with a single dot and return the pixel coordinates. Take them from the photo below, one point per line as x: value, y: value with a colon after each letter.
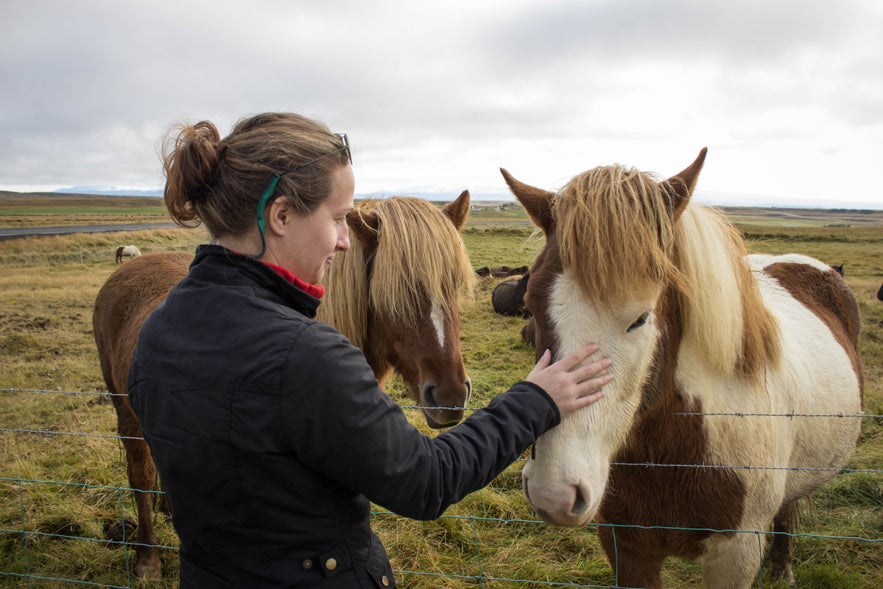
x: 385, y: 580
x: 308, y: 564
x: 330, y: 564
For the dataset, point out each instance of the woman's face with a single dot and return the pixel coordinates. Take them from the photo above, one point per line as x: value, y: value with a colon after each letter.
x: 310, y: 241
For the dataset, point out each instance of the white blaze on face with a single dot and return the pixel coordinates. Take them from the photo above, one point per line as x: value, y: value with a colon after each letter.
x: 565, y: 481
x: 437, y: 316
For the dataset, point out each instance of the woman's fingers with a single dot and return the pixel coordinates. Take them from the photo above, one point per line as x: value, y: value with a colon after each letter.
x: 542, y: 363
x: 592, y: 369
x: 572, y: 382
x: 573, y: 360
x: 585, y: 401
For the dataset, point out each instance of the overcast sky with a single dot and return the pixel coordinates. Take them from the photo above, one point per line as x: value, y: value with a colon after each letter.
x: 786, y: 94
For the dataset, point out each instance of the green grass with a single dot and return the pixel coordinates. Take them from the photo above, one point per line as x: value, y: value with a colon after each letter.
x: 54, y: 526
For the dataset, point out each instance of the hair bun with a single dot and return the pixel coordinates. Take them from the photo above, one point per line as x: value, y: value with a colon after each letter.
x: 190, y: 161
x: 202, y: 144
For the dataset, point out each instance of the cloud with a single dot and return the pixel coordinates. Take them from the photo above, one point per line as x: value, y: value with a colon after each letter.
x: 444, y: 94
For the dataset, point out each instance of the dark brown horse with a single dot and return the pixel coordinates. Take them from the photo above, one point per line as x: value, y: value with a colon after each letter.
x: 395, y: 293
x: 694, y: 451
x: 507, y: 297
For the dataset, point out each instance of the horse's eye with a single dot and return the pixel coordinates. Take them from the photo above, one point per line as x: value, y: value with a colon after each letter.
x: 639, y: 321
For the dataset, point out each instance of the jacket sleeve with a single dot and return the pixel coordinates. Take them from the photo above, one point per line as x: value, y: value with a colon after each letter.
x: 341, y: 424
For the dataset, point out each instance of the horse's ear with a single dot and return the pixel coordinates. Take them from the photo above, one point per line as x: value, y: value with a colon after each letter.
x: 536, y: 201
x: 458, y: 210
x: 365, y: 225
x: 684, y: 182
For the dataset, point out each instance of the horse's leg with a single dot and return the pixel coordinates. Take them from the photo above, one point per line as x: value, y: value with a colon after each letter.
x: 732, y: 562
x: 142, y: 477
x: 780, y: 551
x: 632, y: 569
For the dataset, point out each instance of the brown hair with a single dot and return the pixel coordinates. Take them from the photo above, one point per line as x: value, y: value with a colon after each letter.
x: 219, y: 181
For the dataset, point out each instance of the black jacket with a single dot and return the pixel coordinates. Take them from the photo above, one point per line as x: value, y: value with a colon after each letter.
x: 271, y: 435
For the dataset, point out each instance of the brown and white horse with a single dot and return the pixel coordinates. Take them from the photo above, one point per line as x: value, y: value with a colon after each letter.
x: 730, y: 372
x: 395, y: 293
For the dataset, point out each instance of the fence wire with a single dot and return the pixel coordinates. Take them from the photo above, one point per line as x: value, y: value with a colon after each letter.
x: 26, y: 537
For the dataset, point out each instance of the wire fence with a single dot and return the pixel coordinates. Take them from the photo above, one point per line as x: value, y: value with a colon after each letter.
x: 19, y: 532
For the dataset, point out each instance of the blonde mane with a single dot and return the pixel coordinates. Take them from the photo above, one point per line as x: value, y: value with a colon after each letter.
x: 419, y: 257
x: 616, y: 235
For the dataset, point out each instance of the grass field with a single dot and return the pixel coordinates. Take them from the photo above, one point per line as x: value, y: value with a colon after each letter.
x: 62, y: 471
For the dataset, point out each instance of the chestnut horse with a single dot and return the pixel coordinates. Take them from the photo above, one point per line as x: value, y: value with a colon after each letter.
x: 403, y: 275
x: 730, y: 372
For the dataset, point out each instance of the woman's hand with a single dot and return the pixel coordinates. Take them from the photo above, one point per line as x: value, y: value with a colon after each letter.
x: 570, y: 385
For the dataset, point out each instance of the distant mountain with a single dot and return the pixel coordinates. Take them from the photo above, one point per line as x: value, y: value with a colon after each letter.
x: 441, y: 196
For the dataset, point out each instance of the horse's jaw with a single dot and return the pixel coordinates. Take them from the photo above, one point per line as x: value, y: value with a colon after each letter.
x: 566, y: 477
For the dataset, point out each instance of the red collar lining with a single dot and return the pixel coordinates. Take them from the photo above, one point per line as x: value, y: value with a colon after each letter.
x: 314, y: 290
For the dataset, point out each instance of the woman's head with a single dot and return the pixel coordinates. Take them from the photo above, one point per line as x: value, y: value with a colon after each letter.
x: 220, y: 182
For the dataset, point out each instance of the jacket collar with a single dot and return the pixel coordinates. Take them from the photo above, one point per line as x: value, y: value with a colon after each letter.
x: 212, y: 262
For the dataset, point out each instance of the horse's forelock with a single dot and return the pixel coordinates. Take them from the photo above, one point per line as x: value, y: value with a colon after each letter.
x: 420, y: 257
x: 614, y: 232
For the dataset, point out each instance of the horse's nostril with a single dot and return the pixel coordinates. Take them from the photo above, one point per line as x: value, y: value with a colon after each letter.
x: 429, y: 396
x: 580, y: 505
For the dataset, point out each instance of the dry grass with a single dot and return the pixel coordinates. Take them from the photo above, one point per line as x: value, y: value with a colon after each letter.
x: 63, y: 482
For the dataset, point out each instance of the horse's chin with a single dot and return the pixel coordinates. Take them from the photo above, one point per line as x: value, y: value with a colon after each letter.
x: 442, y: 418
x: 565, y: 521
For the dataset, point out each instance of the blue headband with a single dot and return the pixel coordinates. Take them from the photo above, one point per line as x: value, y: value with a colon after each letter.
x: 262, y: 202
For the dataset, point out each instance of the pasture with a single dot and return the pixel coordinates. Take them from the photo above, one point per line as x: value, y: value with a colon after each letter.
x: 63, y: 494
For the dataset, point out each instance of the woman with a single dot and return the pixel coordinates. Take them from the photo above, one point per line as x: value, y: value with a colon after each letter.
x: 268, y: 428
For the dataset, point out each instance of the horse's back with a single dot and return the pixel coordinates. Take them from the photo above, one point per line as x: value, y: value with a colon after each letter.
x: 820, y: 289
x: 125, y: 301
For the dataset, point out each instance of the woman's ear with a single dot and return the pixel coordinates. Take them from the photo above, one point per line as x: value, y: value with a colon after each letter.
x: 278, y: 216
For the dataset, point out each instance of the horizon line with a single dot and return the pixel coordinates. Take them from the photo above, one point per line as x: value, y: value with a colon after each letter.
x: 733, y: 200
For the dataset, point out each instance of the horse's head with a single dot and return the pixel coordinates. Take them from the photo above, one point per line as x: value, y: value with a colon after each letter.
x: 396, y: 291
x: 602, y: 274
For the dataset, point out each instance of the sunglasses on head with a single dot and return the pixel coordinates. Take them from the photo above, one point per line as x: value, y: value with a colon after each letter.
x: 274, y: 181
